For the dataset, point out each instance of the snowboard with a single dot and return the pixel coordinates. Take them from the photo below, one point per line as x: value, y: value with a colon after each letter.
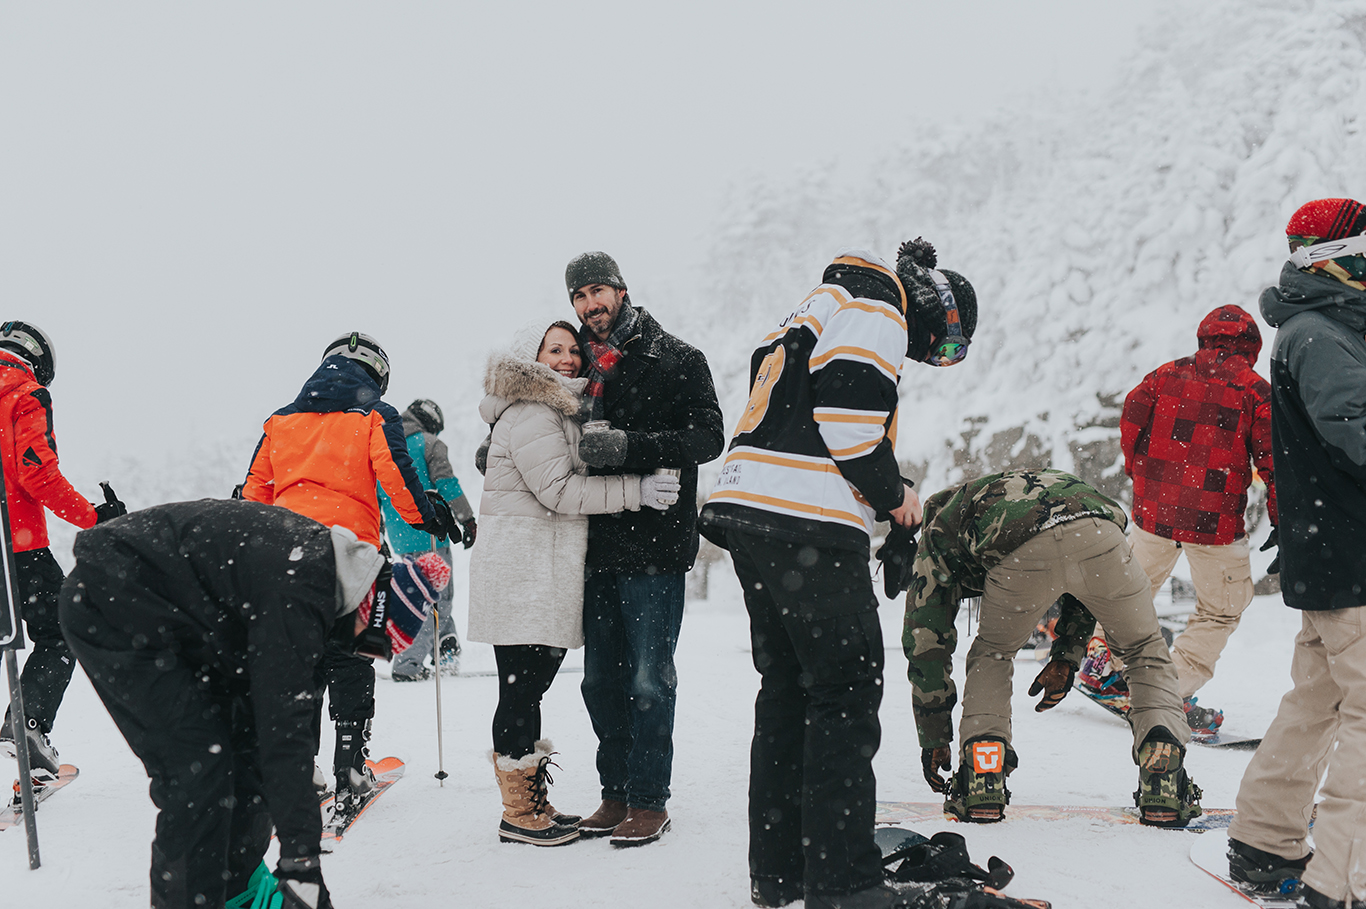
x: 387, y: 771
x: 13, y: 814
x: 920, y: 812
x: 1210, y: 855
x: 1119, y: 706
x: 891, y: 840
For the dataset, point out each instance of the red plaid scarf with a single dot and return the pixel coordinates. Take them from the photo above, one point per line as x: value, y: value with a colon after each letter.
x: 603, y: 357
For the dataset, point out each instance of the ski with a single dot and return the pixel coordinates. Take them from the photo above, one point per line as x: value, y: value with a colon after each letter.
x: 43, y: 788
x: 1118, y: 705
x: 921, y: 812
x: 1210, y: 855
x: 387, y: 771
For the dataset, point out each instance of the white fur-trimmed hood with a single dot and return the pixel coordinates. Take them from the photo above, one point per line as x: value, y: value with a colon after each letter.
x: 509, y: 379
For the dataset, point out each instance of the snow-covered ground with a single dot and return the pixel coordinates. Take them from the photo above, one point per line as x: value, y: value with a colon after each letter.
x: 425, y: 845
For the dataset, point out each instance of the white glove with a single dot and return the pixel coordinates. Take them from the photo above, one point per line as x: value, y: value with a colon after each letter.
x: 658, y: 490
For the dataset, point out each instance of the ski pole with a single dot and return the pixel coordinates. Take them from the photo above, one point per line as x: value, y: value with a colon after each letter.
x: 436, y: 668
x: 18, y: 718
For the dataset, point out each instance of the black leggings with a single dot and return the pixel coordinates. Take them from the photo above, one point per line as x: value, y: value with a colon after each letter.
x: 525, y: 672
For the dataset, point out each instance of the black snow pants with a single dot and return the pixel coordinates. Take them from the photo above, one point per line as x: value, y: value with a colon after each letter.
x: 818, y: 649
x: 197, y: 739
x: 350, y: 684
x: 47, y: 671
x: 525, y: 672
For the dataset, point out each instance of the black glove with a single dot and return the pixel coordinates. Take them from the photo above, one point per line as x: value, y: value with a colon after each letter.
x: 933, y: 760
x: 897, y: 555
x: 1273, y: 539
x: 442, y: 524
x: 301, y: 884
x: 111, y: 507
x: 1054, y: 681
x: 471, y: 531
x: 603, y: 449
x: 481, y: 454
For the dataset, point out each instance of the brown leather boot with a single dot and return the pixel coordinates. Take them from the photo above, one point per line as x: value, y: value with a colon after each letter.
x: 526, y: 818
x: 603, y: 821
x: 640, y: 827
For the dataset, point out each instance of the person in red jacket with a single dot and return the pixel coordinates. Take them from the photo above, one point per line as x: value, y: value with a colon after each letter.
x: 1192, y: 432
x: 321, y: 456
x: 34, y: 481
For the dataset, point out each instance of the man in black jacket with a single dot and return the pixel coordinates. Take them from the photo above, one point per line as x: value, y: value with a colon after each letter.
x: 1318, y: 430
x: 201, y: 626
x: 657, y: 394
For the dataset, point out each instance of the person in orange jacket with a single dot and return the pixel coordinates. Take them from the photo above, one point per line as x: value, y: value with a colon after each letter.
x: 34, y: 481
x: 321, y: 456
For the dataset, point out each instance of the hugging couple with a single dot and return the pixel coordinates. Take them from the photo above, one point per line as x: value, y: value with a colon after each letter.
x: 587, y: 527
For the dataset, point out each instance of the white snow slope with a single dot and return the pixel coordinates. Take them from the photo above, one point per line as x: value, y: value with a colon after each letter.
x: 1097, y: 233
x: 425, y: 845
x: 1097, y: 230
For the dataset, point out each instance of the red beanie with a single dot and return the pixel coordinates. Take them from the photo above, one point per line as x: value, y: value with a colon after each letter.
x: 1327, y: 219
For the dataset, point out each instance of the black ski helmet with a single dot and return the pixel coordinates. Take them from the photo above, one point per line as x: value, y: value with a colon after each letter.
x: 426, y: 412
x: 28, y: 341
x: 366, y: 351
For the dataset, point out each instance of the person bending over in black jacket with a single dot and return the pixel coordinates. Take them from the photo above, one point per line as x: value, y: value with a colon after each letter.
x: 201, y: 626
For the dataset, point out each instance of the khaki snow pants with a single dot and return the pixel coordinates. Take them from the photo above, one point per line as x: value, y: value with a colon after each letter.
x: 1223, y: 588
x: 1326, y: 706
x: 1090, y: 559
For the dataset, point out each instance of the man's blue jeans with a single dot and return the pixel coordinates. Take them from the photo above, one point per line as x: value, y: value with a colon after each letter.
x: 630, y: 629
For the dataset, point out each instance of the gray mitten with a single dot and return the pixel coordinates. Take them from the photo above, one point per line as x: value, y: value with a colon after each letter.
x: 603, y: 449
x: 481, y: 455
x: 658, y: 490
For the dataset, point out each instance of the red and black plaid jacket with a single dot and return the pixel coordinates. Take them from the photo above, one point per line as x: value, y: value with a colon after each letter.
x: 1192, y: 430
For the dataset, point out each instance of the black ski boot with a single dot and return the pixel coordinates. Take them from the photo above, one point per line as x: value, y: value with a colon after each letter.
x: 1264, y: 872
x: 977, y: 793
x: 42, y: 757
x: 354, y: 779
x: 1166, y: 796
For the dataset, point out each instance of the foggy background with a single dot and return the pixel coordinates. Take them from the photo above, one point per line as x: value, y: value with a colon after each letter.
x: 198, y: 198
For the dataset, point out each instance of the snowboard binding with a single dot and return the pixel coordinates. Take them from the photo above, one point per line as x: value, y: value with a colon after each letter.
x: 977, y: 792
x: 1166, y: 796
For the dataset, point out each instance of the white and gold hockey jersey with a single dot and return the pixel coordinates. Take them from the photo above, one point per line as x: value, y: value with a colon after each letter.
x: 812, y: 457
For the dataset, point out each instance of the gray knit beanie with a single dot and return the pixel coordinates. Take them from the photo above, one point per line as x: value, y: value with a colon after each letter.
x: 592, y: 268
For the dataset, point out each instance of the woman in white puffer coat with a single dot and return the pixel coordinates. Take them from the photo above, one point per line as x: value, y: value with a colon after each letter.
x: 526, y: 570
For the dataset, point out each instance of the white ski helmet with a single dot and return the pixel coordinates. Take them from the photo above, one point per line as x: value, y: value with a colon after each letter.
x: 28, y: 341
x: 366, y: 351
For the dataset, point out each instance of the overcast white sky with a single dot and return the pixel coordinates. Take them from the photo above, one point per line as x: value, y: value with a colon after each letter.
x: 198, y: 197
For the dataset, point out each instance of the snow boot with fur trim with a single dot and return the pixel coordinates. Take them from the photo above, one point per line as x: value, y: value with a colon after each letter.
x: 527, y: 814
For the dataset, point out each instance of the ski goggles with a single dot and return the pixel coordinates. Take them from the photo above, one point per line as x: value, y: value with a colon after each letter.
x: 1307, y: 256
x: 953, y: 347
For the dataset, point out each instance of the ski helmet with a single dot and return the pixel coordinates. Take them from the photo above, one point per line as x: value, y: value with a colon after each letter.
x: 366, y: 351
x: 28, y: 341
x: 426, y: 412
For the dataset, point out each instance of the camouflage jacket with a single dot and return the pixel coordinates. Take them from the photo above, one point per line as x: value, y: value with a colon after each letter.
x: 968, y: 530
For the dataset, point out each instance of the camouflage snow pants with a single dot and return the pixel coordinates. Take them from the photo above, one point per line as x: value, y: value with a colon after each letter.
x: 1090, y: 559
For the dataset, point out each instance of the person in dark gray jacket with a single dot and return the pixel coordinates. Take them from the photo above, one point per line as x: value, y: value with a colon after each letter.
x: 1318, y: 428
